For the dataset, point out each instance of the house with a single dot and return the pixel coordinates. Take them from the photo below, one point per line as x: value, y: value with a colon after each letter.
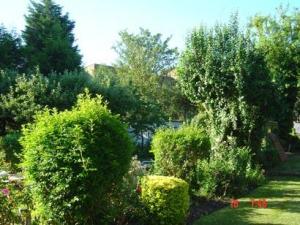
x: 94, y: 68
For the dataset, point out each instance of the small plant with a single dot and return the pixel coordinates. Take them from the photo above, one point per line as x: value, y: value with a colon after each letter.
x: 127, y: 205
x: 13, y: 197
x: 166, y: 199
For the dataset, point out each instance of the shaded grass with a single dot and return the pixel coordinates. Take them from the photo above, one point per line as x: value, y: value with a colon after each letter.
x: 292, y: 166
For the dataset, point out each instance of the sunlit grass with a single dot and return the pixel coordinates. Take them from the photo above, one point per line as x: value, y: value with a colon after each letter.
x: 283, y: 198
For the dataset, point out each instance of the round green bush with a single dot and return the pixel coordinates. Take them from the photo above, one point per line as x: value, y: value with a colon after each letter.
x: 176, y: 151
x: 73, y: 160
x: 166, y: 198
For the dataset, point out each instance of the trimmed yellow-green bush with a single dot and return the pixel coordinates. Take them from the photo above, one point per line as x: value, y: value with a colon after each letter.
x: 166, y: 198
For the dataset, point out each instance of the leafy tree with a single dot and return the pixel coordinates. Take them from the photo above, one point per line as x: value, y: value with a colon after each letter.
x: 145, y: 53
x: 10, y: 50
x: 21, y: 102
x: 7, y: 79
x: 63, y: 88
x: 123, y: 98
x: 221, y: 70
x: 49, y: 41
x: 278, y: 38
x: 146, y: 63
x: 27, y: 94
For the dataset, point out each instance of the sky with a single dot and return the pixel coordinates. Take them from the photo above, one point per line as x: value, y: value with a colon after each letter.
x: 98, y: 22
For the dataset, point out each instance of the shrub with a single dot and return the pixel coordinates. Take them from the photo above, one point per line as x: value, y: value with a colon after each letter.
x: 3, y: 163
x: 176, y: 151
x: 8, y: 213
x: 268, y: 156
x: 228, y: 172
x: 22, y: 101
x: 13, y: 197
x: 73, y: 160
x: 64, y: 88
x: 11, y: 148
x: 128, y: 208
x: 166, y: 199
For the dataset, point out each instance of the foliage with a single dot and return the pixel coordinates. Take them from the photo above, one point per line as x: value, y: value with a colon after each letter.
x: 128, y: 207
x: 121, y: 98
x: 30, y: 93
x: 10, y: 50
x: 11, y: 148
x: 140, y: 113
x: 176, y: 152
x: 7, y: 79
x: 145, y: 53
x: 21, y: 102
x: 166, y: 198
x: 13, y: 196
x: 146, y: 64
x: 221, y: 70
x: 49, y: 41
x: 268, y: 156
x: 228, y: 172
x: 73, y: 160
x: 173, y: 102
x: 64, y: 88
x: 201, y: 120
x: 3, y: 164
x: 278, y: 39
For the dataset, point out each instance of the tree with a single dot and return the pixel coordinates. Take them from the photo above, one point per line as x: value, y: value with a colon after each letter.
x: 125, y: 99
x: 10, y: 50
x: 21, y: 102
x: 278, y: 38
x: 49, y: 41
x: 146, y: 63
x: 145, y: 54
x: 21, y: 98
x: 221, y: 70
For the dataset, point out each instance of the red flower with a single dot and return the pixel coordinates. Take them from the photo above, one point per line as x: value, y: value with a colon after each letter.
x: 5, y: 191
x: 138, y: 189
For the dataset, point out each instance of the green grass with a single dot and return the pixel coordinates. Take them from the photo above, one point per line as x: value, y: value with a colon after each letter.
x: 283, y: 197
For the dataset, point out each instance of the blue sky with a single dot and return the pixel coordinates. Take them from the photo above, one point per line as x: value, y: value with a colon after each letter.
x: 99, y: 21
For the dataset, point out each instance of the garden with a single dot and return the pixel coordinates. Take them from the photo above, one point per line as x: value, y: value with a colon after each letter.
x: 72, y: 141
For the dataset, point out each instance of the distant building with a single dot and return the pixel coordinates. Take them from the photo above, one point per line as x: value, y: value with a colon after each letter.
x: 101, y: 68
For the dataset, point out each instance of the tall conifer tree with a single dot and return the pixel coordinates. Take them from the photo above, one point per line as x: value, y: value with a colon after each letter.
x: 49, y: 38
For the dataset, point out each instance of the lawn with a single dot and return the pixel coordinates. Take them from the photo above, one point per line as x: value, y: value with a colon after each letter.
x: 283, y: 197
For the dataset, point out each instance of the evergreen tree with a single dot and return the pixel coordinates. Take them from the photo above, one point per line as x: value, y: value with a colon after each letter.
x: 49, y: 41
x: 10, y: 50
